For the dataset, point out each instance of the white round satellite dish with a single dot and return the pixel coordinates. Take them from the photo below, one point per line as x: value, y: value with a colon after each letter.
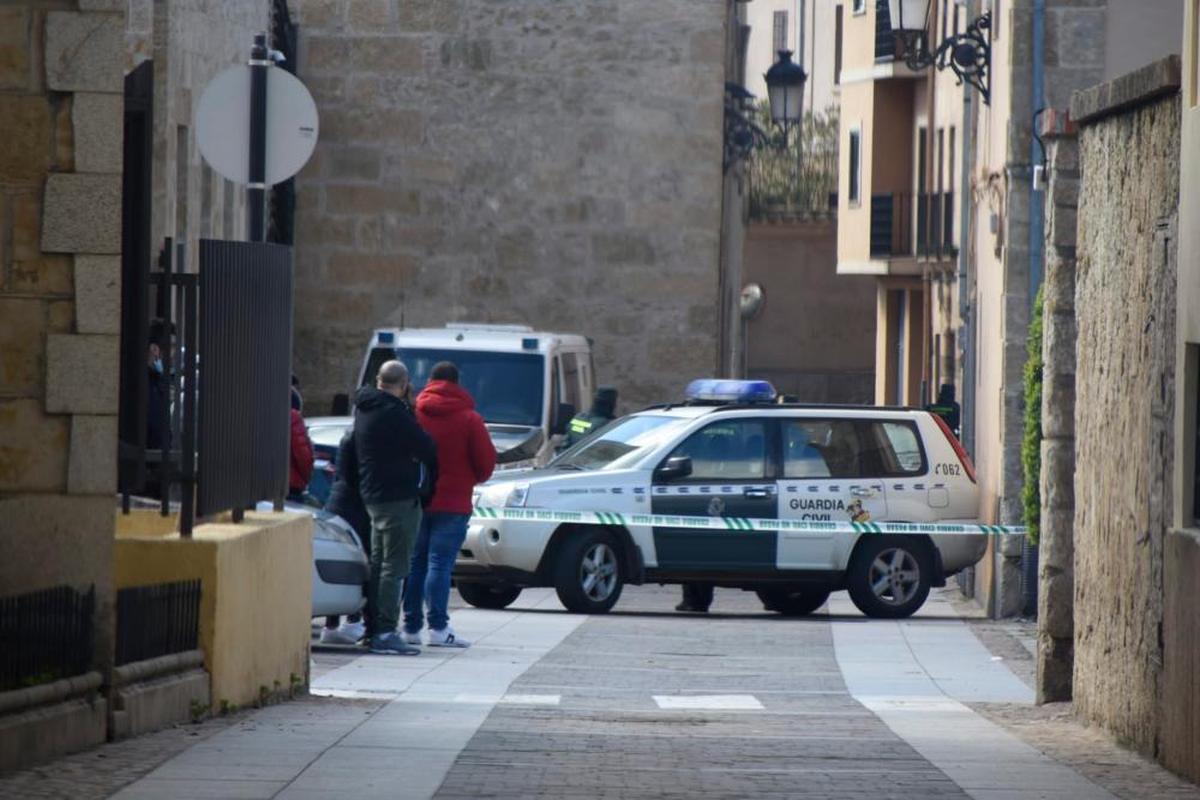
x: 223, y: 124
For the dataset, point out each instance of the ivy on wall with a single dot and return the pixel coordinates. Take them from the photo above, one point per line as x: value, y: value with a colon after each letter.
x: 1031, y: 443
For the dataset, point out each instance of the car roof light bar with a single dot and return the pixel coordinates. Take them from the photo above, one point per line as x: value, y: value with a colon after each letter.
x: 717, y: 390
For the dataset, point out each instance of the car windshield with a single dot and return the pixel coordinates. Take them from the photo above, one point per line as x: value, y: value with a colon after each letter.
x: 620, y: 443
x: 507, y: 387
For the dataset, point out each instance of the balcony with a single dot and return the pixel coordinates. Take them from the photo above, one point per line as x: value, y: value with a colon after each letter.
x: 891, y: 225
x: 886, y: 42
x: 935, y: 225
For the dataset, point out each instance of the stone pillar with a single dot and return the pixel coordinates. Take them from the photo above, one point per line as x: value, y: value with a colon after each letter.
x: 1056, y: 601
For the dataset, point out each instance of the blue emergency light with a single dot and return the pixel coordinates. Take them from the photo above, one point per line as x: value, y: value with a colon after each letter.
x: 716, y: 390
x: 386, y: 337
x: 529, y: 343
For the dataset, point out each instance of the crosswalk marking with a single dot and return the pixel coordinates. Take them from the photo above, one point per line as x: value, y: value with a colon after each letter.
x: 709, y: 702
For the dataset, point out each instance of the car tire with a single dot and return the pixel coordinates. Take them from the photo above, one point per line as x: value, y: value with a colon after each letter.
x: 489, y: 595
x: 588, y: 574
x: 792, y: 601
x: 890, y: 576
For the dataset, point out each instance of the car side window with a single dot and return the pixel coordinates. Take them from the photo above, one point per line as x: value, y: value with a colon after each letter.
x: 734, y: 449
x: 820, y: 448
x: 570, y: 365
x: 892, y: 449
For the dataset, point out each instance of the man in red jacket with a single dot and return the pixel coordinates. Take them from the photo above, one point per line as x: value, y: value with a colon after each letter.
x: 465, y: 457
x: 300, y: 461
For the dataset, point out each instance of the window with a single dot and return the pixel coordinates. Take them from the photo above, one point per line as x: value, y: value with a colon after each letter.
x: 619, y: 444
x: 892, y: 449
x: 837, y: 45
x: 727, y: 450
x: 779, y: 37
x: 941, y: 159
x: 858, y: 6
x: 570, y: 368
x: 820, y: 448
x: 957, y: 19
x: 855, y: 166
x: 945, y: 12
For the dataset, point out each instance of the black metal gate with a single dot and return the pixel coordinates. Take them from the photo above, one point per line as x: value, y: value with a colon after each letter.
x: 245, y: 347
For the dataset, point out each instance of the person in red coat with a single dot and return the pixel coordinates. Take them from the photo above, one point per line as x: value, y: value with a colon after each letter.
x: 301, y: 457
x: 466, y: 457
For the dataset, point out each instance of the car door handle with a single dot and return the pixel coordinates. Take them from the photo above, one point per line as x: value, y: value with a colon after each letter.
x: 858, y: 491
x: 753, y: 492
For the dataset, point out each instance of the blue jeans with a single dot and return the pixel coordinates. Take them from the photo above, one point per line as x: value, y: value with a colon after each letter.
x: 433, y: 558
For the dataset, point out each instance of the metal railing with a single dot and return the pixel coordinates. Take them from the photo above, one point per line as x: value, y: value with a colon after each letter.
x: 46, y: 636
x: 885, y: 39
x: 891, y: 225
x: 935, y: 224
x: 245, y: 338
x: 157, y: 620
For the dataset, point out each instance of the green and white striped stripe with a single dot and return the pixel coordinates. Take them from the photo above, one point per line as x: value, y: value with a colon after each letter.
x: 613, y: 518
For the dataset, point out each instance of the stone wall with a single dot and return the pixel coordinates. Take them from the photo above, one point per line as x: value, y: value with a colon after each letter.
x: 1125, y: 394
x: 540, y: 162
x: 60, y: 241
x: 1056, y: 547
x: 815, y: 334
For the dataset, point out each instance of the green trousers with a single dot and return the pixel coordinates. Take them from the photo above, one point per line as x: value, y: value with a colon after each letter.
x: 394, y: 529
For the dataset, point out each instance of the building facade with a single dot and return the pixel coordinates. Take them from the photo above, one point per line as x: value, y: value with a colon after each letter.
x: 811, y: 30
x: 552, y: 164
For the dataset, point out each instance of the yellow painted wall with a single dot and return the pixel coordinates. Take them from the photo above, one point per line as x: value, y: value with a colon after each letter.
x: 256, y: 592
x: 854, y: 219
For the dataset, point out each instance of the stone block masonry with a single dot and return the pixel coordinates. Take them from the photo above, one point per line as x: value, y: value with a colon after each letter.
x: 546, y: 163
x: 1125, y: 395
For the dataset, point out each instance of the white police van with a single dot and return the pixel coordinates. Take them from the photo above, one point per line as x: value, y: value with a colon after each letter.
x: 527, y: 384
x: 731, y: 450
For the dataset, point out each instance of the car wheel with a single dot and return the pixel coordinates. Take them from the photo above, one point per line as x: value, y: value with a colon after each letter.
x: 792, y: 601
x: 889, y: 577
x: 587, y: 573
x: 489, y: 595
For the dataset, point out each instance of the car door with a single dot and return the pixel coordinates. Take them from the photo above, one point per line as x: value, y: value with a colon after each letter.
x: 824, y: 479
x: 731, y: 477
x: 893, y: 453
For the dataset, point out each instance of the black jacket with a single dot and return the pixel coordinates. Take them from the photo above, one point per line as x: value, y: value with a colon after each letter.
x: 391, y: 447
x: 344, y: 499
x: 158, y: 427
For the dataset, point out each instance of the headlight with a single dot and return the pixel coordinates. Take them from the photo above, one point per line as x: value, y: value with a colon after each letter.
x: 517, y: 497
x: 324, y: 529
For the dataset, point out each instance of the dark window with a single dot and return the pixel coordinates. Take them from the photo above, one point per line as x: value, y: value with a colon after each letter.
x: 779, y: 38
x: 837, y: 45
x: 860, y: 6
x: 855, y: 166
x: 728, y: 450
x: 570, y: 370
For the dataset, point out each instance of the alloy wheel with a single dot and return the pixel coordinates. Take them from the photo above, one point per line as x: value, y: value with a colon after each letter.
x: 895, y: 576
x: 598, y: 572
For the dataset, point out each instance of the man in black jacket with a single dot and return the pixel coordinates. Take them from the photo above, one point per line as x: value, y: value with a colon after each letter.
x: 392, y: 452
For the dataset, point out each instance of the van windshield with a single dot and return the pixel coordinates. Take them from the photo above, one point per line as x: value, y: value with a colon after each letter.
x: 507, y: 387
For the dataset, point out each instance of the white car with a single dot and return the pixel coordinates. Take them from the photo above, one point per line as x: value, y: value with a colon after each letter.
x: 340, y: 566
x: 732, y: 451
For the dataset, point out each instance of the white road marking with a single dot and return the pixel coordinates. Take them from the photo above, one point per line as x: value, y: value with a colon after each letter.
x: 709, y: 702
x: 532, y: 699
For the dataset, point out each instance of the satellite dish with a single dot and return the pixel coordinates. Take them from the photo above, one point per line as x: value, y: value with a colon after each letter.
x: 751, y: 300
x: 223, y: 124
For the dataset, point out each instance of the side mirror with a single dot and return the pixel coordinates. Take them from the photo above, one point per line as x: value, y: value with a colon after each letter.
x: 674, y: 468
x: 341, y: 405
x: 562, y: 418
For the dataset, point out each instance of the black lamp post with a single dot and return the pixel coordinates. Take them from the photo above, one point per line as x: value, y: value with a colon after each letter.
x: 785, y: 91
x: 969, y: 53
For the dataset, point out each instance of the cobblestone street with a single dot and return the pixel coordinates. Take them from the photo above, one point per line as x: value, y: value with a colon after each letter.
x: 646, y: 702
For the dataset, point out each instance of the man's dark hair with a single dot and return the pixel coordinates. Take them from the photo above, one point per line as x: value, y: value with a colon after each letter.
x: 444, y: 371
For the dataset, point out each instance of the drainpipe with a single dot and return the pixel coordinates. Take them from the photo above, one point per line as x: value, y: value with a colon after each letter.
x: 966, y: 310
x: 1037, y: 239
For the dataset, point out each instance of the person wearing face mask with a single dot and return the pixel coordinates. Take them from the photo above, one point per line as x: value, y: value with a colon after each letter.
x: 158, y: 424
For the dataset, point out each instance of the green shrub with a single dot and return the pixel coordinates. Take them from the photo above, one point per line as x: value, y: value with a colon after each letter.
x: 1031, y: 443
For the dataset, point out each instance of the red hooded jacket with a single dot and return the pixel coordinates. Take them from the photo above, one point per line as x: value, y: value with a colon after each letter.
x: 301, y: 461
x: 465, y: 455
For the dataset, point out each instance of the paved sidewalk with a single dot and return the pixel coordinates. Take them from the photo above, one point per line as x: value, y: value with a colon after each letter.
x: 646, y: 702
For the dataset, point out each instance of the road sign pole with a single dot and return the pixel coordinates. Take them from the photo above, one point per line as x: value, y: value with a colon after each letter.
x: 256, y: 188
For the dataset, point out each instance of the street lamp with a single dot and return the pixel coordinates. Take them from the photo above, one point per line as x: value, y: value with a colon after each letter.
x: 785, y: 91
x: 969, y: 53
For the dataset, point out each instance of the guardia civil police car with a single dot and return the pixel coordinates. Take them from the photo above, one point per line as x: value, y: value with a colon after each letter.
x: 731, y: 450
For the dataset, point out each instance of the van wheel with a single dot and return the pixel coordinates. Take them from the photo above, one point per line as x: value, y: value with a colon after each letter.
x: 889, y: 576
x: 489, y: 595
x: 792, y: 601
x: 587, y: 572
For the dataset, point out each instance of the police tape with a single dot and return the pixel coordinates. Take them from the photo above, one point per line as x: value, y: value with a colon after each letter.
x: 613, y: 518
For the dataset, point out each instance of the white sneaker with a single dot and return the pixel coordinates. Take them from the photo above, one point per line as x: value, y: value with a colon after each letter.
x: 446, y: 637
x: 411, y: 638
x: 357, y: 630
x: 338, y: 636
